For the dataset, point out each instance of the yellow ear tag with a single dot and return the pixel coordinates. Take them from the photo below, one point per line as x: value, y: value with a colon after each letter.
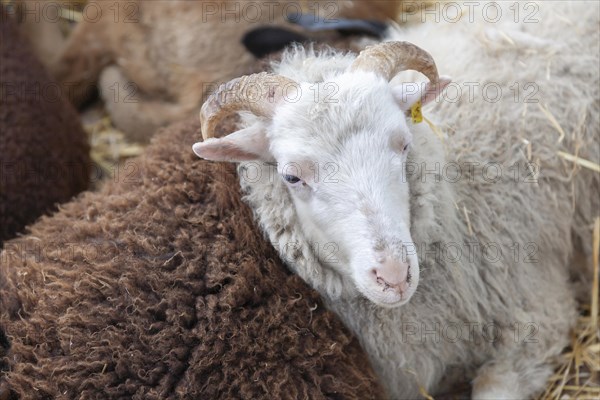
x: 415, y: 113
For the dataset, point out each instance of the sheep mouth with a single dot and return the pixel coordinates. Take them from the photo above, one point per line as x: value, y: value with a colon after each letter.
x: 385, y: 296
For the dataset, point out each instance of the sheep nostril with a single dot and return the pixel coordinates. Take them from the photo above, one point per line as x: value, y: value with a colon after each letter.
x: 398, y: 285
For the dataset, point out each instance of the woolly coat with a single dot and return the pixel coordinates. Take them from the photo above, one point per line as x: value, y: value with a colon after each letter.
x: 44, y: 154
x: 544, y: 213
x: 160, y: 286
x: 154, y: 61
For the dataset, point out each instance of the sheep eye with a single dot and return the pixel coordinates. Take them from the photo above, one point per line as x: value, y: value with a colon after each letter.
x: 291, y: 179
x: 406, y: 147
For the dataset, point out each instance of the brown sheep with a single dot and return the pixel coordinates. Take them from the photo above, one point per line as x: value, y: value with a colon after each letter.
x: 155, y: 60
x: 160, y: 286
x: 44, y: 156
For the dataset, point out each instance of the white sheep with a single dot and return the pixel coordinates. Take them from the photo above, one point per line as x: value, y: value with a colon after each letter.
x: 446, y: 255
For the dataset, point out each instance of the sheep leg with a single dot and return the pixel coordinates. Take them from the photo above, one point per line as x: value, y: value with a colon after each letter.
x: 78, y: 65
x: 510, y: 379
x: 132, y: 111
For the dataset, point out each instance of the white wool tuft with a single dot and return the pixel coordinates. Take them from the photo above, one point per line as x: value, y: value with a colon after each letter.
x: 527, y: 302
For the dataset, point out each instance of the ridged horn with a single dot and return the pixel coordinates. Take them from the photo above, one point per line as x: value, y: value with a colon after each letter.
x: 390, y: 58
x: 257, y: 93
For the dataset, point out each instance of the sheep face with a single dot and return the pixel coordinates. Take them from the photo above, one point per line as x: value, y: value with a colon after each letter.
x: 342, y: 157
x: 341, y: 148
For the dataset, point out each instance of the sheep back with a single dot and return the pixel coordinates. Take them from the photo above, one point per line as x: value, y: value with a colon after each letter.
x: 44, y: 154
x: 161, y: 286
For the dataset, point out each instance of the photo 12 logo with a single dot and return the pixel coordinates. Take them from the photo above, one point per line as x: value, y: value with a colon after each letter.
x: 455, y: 11
x: 465, y: 331
x: 90, y: 12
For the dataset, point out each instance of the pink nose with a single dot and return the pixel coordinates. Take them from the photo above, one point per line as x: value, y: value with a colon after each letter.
x: 392, y: 274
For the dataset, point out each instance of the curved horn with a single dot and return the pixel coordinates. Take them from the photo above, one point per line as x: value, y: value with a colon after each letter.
x: 390, y: 58
x: 257, y: 93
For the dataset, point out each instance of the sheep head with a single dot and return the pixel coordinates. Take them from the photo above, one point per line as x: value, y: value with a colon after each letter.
x: 340, y: 147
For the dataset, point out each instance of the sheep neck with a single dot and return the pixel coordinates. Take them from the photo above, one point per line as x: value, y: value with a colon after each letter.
x: 434, y: 219
x: 276, y: 215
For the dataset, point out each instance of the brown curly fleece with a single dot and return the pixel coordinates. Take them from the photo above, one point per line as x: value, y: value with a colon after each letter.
x: 44, y: 154
x: 161, y: 286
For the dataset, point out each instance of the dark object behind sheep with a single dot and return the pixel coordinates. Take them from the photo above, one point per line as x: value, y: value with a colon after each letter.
x: 44, y: 154
x: 161, y: 286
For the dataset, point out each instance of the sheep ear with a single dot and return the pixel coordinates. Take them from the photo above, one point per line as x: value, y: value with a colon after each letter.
x: 244, y: 145
x: 407, y: 94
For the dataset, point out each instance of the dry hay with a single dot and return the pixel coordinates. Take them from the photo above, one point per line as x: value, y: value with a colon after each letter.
x: 110, y: 149
x: 578, y: 376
